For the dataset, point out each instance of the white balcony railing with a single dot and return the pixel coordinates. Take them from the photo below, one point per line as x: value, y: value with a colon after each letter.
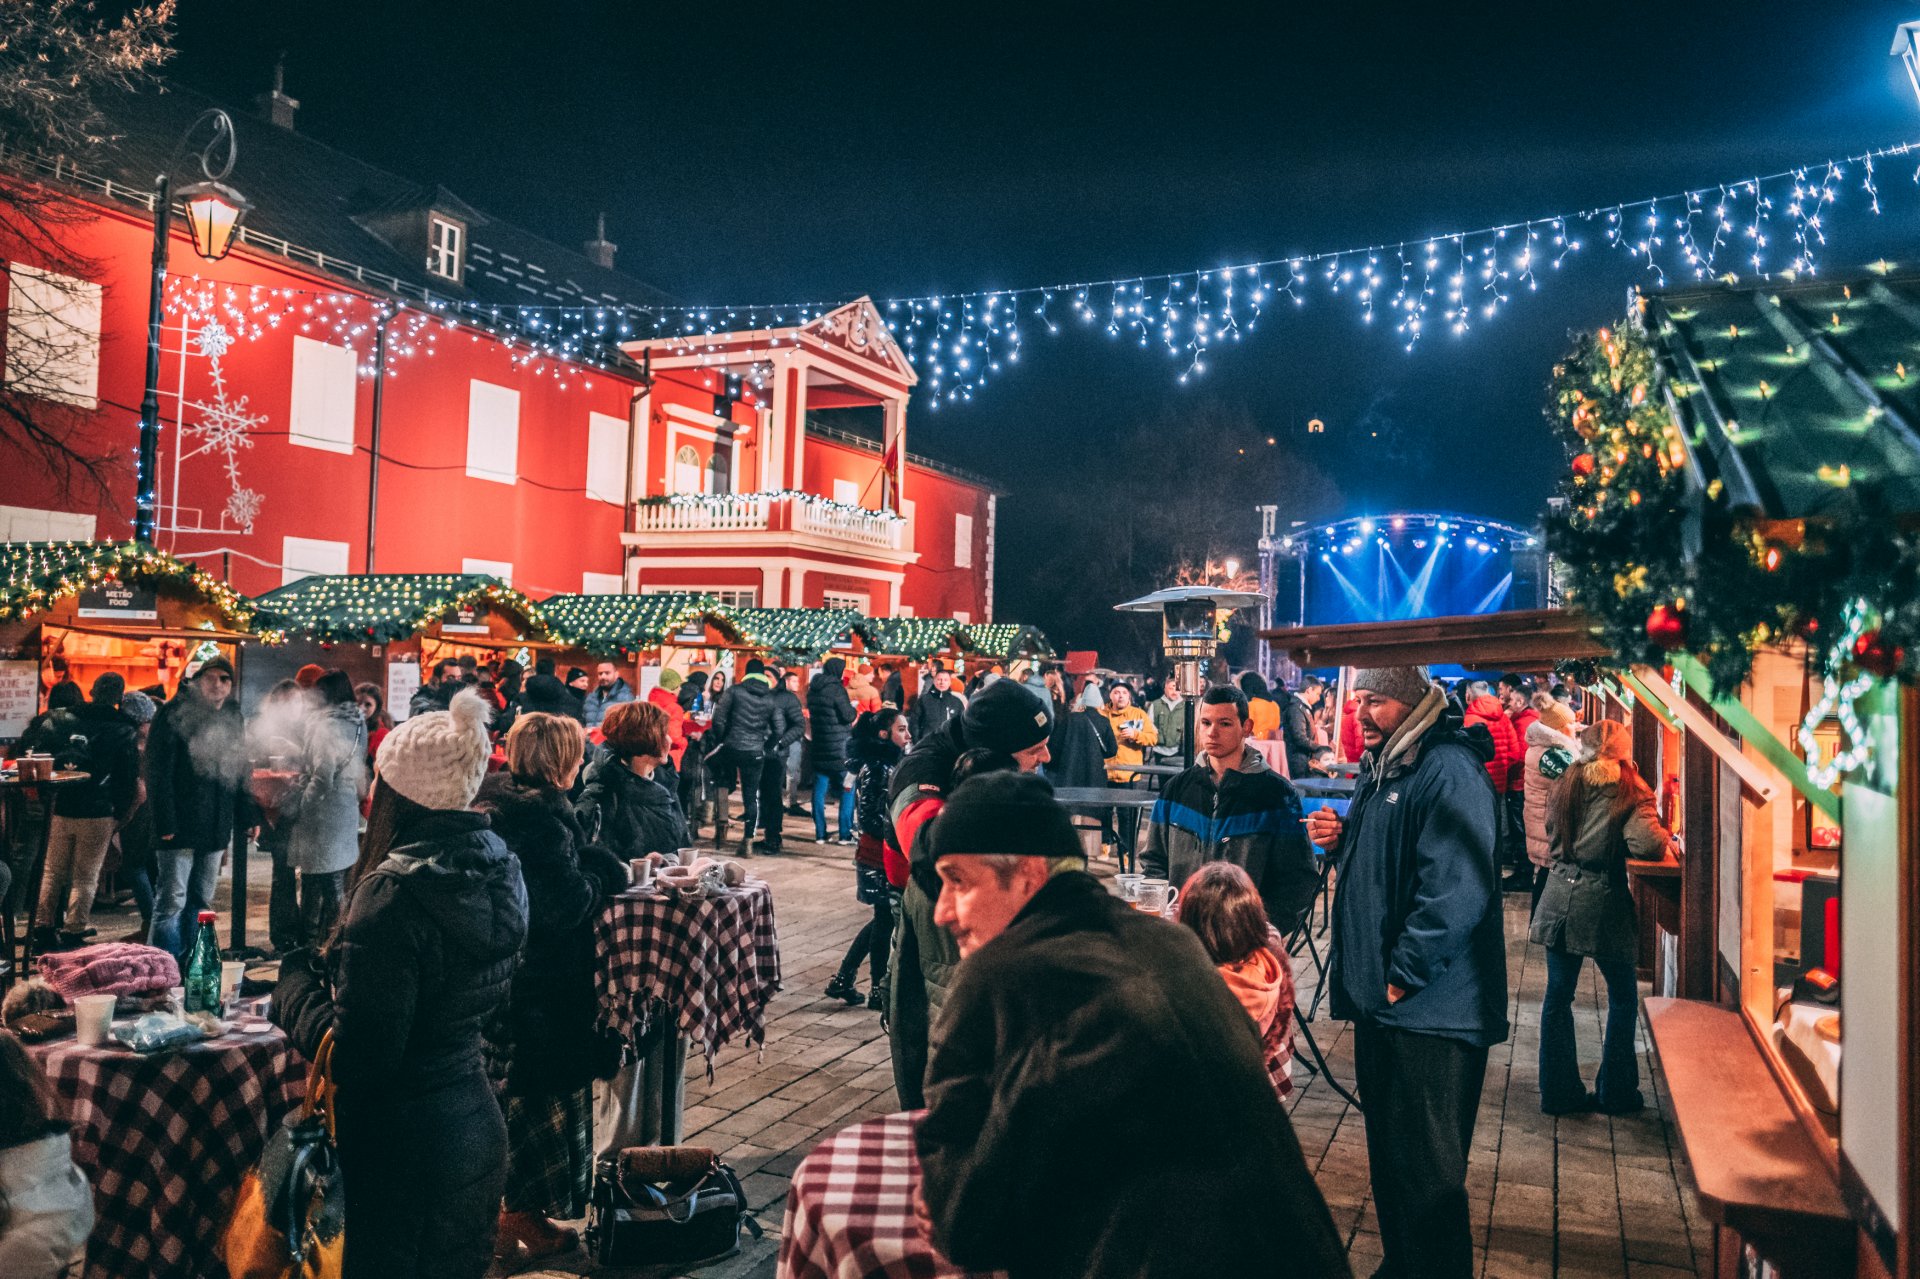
x: 770, y: 512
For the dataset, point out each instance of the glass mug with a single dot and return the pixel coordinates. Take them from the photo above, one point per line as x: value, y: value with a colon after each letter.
x: 1127, y: 886
x: 1157, y: 897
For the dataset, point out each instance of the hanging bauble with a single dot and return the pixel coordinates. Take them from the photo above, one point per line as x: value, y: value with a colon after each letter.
x: 1873, y: 654
x: 1583, y: 464
x: 1807, y: 627
x: 1666, y: 626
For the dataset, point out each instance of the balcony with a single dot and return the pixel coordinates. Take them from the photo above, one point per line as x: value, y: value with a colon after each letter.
x: 696, y: 516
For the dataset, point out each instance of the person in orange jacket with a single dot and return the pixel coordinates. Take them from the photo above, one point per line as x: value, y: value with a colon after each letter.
x: 666, y: 695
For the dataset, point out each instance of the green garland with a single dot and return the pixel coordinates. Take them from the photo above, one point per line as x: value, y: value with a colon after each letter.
x: 34, y: 576
x: 1623, y: 547
x: 382, y: 608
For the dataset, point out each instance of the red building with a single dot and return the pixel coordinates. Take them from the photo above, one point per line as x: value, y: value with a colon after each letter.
x: 380, y: 377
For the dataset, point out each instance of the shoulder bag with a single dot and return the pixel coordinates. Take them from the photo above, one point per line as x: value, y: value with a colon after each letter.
x: 289, y: 1218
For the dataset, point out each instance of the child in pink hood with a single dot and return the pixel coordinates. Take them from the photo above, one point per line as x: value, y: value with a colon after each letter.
x: 1221, y: 905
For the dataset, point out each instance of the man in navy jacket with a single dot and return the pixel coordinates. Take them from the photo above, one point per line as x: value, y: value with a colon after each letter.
x: 1419, y: 958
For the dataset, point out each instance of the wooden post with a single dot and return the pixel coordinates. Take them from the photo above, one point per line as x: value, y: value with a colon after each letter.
x: 1699, y: 870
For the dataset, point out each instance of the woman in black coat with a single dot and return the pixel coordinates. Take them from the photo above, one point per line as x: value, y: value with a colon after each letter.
x: 552, y: 1050
x: 421, y: 961
x: 622, y: 808
x: 830, y: 723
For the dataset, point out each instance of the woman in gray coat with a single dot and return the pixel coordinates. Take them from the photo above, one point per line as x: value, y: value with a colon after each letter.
x: 324, y: 840
x: 1600, y: 815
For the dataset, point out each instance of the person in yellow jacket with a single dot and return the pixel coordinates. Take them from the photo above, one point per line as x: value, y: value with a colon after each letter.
x: 1133, y: 732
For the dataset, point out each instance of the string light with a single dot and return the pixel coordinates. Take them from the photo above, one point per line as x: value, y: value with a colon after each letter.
x: 1837, y: 699
x: 39, y: 575
x: 380, y: 608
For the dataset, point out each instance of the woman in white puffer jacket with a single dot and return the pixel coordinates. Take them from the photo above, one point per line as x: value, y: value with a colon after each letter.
x: 1553, y: 731
x: 46, y: 1206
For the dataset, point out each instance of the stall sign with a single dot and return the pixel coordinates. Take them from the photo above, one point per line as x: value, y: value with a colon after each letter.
x: 403, y: 681
x: 119, y: 601
x: 19, y: 696
x: 465, y: 621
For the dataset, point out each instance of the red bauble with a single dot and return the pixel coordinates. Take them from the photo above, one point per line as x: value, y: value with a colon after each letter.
x: 1583, y: 464
x: 1666, y: 626
x: 1875, y: 656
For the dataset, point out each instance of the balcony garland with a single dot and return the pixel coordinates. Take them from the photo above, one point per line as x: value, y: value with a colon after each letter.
x: 718, y: 500
x: 1623, y: 544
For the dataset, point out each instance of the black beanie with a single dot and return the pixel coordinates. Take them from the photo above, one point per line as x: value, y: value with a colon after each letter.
x: 1013, y: 814
x: 218, y: 662
x: 755, y: 666
x: 1005, y: 716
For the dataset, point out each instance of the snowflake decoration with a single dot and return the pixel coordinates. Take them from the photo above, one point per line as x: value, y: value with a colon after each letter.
x: 226, y: 426
x: 213, y: 340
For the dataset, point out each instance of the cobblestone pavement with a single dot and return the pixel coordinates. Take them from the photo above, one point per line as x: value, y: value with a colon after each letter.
x: 1573, y: 1198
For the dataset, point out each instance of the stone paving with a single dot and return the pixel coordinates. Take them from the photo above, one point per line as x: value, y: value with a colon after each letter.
x: 1574, y: 1198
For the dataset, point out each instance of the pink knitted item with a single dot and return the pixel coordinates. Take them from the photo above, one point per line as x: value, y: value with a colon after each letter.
x: 110, y: 968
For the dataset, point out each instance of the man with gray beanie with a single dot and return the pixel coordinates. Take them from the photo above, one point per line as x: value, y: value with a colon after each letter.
x: 1419, y: 959
x: 1097, y: 1104
x: 1004, y: 721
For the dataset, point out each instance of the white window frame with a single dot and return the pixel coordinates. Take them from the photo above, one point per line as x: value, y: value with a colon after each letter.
x: 325, y: 388
x: 688, y: 477
x: 606, y: 458
x: 502, y: 569
x: 601, y: 583
x: 846, y: 492
x: 446, y: 247
x: 493, y: 431
x: 963, y: 541
x: 312, y: 557
x: 859, y: 601
x: 53, y: 336
x: 963, y: 617
x: 34, y: 524
x: 732, y: 596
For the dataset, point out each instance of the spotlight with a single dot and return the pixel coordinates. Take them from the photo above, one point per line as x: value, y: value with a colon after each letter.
x: 1366, y: 526
x: 1444, y: 526
x: 1419, y: 543
x: 1399, y: 523
x: 1481, y: 528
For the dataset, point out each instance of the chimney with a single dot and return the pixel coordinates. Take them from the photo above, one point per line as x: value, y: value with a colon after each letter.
x: 600, y: 250
x: 277, y: 107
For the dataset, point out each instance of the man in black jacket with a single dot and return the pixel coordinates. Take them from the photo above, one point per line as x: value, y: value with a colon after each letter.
x: 198, y: 772
x: 830, y: 718
x: 1296, y: 723
x: 934, y: 706
x: 1049, y: 1147
x: 747, y: 720
x: 1232, y: 807
x: 100, y: 741
x: 1419, y: 960
x: 773, y: 775
x: 437, y: 693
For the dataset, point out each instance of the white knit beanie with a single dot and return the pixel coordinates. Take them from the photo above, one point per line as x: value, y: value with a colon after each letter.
x: 439, y: 759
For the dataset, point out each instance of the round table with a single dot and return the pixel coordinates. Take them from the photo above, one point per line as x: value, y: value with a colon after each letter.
x: 704, y: 970
x: 850, y: 1209
x: 166, y: 1139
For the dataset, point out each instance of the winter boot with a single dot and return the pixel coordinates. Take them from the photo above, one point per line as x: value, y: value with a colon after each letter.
x: 722, y: 810
x: 746, y: 847
x: 843, y: 989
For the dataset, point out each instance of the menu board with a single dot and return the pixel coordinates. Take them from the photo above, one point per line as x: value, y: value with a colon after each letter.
x: 465, y: 621
x: 19, y: 696
x: 117, y: 600
x: 403, y: 681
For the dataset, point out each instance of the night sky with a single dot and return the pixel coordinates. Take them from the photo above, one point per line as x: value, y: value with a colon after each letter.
x: 749, y: 154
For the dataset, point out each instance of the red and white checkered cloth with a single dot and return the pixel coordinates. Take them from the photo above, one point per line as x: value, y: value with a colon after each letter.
x: 166, y: 1140
x: 850, y: 1209
x: 711, y: 965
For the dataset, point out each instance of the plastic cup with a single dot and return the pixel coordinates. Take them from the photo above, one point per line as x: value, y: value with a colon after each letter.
x: 231, y: 971
x: 92, y: 1015
x: 642, y: 872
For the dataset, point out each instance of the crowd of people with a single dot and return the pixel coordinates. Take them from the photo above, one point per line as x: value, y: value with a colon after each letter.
x: 447, y: 950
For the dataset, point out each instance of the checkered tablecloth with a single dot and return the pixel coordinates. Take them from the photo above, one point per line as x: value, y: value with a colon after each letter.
x: 710, y: 965
x: 850, y: 1209
x: 165, y: 1140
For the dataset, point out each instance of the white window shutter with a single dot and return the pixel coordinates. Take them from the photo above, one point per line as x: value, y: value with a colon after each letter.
x: 496, y: 568
x: 606, y: 458
x: 53, y: 336
x: 310, y: 557
x: 846, y: 492
x: 324, y: 384
x: 600, y: 583
x: 963, y: 541
x: 493, y: 432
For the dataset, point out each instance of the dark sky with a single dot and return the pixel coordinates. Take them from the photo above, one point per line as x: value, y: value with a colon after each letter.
x: 749, y: 153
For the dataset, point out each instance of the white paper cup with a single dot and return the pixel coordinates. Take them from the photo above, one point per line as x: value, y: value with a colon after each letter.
x: 231, y: 971
x: 642, y: 872
x: 92, y: 1015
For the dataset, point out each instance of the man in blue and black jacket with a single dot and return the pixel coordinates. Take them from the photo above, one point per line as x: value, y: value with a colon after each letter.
x: 1419, y: 961
x: 1232, y: 807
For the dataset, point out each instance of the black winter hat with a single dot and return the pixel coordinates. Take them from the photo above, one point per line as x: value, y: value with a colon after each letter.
x: 755, y: 666
x: 218, y: 662
x: 1013, y: 814
x: 1005, y: 716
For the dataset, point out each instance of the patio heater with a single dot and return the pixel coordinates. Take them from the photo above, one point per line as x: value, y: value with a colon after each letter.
x: 1190, y: 633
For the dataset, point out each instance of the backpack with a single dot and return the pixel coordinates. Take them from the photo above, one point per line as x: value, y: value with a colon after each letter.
x: 70, y: 747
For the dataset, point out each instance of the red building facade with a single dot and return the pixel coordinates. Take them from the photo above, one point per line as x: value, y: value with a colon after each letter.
x: 381, y: 378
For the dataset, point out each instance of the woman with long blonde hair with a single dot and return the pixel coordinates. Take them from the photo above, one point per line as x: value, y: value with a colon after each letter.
x: 1601, y: 814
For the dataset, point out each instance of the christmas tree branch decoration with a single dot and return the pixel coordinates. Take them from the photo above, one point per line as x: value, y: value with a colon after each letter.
x: 627, y: 625
x: 34, y: 576
x: 380, y: 608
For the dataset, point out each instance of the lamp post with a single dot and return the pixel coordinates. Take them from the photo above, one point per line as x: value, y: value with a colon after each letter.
x: 214, y: 213
x: 1189, y: 629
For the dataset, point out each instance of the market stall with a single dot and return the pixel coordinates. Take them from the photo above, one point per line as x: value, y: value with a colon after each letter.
x: 905, y: 644
x: 390, y: 628
x: 1744, y: 501
x: 641, y: 634
x: 77, y: 610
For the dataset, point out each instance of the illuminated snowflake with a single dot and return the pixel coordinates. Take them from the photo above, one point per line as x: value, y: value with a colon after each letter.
x: 213, y: 339
x: 226, y: 426
x: 244, y: 506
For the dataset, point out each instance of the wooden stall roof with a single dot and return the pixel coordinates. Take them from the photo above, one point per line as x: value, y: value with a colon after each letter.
x: 1007, y: 640
x: 1797, y: 398
x: 913, y: 637
x: 34, y: 576
x: 610, y: 625
x: 1523, y: 640
x: 379, y: 608
x: 794, y: 634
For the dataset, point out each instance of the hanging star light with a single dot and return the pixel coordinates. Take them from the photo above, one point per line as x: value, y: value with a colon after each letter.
x: 1838, y: 694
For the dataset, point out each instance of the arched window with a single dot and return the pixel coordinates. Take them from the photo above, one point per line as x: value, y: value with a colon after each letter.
x: 688, y: 475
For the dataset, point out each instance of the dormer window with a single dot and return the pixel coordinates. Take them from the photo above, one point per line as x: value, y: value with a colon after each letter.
x: 446, y: 247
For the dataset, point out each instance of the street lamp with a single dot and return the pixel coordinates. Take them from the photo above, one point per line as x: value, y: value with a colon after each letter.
x: 1189, y: 632
x: 214, y: 212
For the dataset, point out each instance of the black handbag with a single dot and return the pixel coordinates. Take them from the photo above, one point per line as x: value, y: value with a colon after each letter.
x: 658, y: 1205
